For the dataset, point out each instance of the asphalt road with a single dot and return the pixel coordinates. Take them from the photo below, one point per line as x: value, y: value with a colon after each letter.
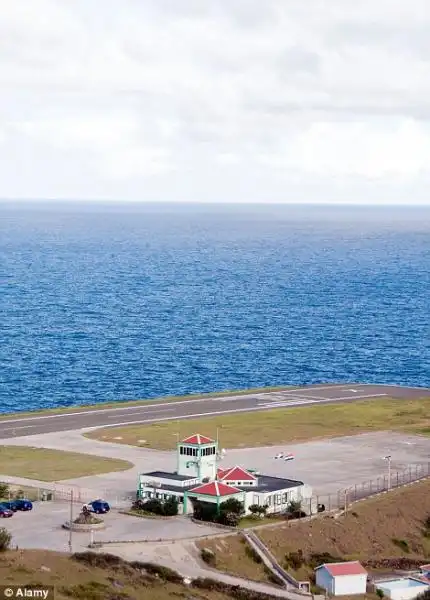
x: 186, y: 409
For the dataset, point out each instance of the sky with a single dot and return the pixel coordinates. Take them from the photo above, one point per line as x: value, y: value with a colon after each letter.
x: 226, y: 101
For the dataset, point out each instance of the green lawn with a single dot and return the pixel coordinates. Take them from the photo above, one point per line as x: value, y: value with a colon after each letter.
x: 278, y: 426
x: 54, y: 465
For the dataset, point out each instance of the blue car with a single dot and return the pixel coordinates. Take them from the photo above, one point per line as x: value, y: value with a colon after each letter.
x: 5, y: 512
x: 19, y: 504
x: 99, y: 506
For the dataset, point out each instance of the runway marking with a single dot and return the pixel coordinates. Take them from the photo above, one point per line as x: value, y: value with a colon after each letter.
x: 144, y: 406
x: 21, y: 427
x: 154, y: 412
x: 308, y: 399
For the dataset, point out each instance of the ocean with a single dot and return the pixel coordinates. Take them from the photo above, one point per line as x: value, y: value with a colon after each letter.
x: 103, y: 302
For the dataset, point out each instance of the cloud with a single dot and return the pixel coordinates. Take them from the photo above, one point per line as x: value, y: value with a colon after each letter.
x: 225, y: 95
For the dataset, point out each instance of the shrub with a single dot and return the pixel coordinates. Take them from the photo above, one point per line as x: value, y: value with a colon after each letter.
x: 208, y: 556
x: 402, y: 544
x: 295, y: 560
x: 4, y: 490
x: 320, y: 558
x: 204, y: 511
x: 5, y: 539
x: 232, y: 505
x: 170, y: 507
x: 294, y: 506
x: 379, y: 593
x: 163, y: 573
x: 231, y: 519
x: 257, y: 509
x: 253, y: 554
x: 103, y: 560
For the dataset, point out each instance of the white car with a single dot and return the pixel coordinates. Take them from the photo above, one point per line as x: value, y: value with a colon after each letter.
x: 280, y: 455
x: 289, y: 456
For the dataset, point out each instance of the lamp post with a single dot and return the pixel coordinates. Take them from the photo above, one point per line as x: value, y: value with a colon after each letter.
x: 388, y: 459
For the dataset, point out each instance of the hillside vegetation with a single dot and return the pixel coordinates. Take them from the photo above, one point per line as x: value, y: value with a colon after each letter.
x: 387, y: 531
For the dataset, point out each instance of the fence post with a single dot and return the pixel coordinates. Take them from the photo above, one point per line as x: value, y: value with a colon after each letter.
x: 329, y: 502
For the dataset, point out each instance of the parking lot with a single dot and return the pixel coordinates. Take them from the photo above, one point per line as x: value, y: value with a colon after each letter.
x: 42, y: 528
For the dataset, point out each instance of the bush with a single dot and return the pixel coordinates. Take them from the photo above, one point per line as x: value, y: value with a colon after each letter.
x: 167, y: 508
x: 320, y: 558
x: 230, y: 519
x: 253, y: 554
x: 204, y: 511
x: 232, y: 505
x: 379, y: 593
x: 295, y: 560
x: 5, y: 539
x: 402, y: 544
x: 4, y: 490
x: 170, y: 507
x: 208, y: 556
x: 163, y: 573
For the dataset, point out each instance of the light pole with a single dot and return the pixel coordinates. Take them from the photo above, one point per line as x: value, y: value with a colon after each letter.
x: 71, y: 522
x: 388, y: 459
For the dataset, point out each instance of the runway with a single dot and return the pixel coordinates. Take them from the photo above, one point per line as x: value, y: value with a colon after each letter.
x: 152, y: 412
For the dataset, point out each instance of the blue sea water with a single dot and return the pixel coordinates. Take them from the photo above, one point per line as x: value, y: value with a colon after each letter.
x: 110, y: 302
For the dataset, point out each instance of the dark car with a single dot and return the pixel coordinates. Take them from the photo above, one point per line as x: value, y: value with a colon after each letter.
x: 5, y: 512
x: 19, y: 504
x: 99, y: 506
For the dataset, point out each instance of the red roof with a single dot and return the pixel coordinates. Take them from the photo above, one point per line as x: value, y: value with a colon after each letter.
x: 344, y: 568
x: 215, y: 488
x: 197, y: 439
x: 235, y: 474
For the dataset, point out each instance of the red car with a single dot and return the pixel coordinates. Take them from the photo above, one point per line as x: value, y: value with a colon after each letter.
x: 5, y: 512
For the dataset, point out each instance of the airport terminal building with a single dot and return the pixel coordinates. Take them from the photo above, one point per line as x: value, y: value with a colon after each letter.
x: 198, y: 476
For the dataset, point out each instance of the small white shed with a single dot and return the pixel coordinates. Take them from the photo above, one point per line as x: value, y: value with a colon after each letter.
x: 342, y: 579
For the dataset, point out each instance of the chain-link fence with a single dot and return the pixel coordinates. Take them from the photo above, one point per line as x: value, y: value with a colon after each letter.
x: 359, y: 491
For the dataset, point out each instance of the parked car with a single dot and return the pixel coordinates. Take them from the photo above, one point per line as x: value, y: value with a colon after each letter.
x: 99, y: 506
x: 5, y: 512
x: 19, y: 504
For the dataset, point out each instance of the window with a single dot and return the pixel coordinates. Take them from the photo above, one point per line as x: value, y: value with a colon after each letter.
x: 278, y: 499
x: 269, y: 501
x: 284, y: 498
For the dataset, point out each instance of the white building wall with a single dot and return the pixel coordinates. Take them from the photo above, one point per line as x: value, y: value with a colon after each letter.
x: 277, y: 501
x: 406, y: 593
x: 147, y: 479
x: 350, y: 584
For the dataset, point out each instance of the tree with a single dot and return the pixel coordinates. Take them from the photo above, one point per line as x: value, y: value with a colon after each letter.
x: 257, y: 509
x: 232, y: 505
x: 4, y: 490
x: 5, y: 539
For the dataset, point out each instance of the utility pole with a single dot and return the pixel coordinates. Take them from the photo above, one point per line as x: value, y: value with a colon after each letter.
x: 346, y: 501
x: 71, y: 522
x: 388, y: 459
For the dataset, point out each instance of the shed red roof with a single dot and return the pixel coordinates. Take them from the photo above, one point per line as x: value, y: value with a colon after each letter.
x: 215, y: 488
x: 344, y: 568
x: 235, y: 474
x: 197, y: 439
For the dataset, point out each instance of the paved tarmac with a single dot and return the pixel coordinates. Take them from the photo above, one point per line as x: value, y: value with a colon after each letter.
x: 151, y: 412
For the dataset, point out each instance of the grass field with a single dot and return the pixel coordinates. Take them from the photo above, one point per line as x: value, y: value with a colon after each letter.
x: 54, y: 465
x: 146, y: 402
x: 277, y: 426
x: 390, y: 526
x: 80, y: 581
